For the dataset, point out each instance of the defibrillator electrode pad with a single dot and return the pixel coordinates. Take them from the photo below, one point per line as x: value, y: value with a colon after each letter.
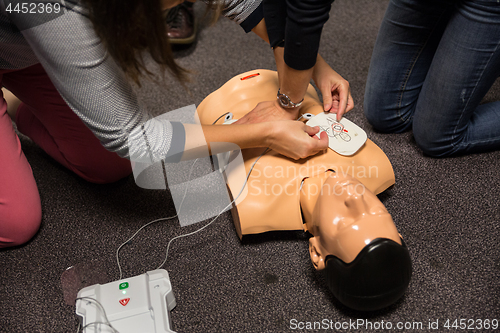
x: 344, y: 136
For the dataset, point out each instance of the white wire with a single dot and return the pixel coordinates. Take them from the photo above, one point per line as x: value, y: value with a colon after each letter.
x: 149, y: 223
x: 206, y: 225
x: 106, y: 320
x: 200, y: 229
x: 306, y: 115
x: 135, y: 234
x: 216, y: 120
x: 97, y: 323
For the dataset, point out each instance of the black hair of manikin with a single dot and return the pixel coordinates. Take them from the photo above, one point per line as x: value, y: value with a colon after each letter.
x: 375, y: 279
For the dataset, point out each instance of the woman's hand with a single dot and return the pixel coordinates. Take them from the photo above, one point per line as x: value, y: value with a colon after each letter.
x: 296, y: 140
x: 291, y: 138
x: 334, y: 88
x: 268, y: 111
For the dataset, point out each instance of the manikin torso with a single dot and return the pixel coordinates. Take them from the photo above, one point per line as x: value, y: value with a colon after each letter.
x: 282, y: 193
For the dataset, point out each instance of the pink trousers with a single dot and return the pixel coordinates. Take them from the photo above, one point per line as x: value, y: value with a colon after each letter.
x: 49, y: 122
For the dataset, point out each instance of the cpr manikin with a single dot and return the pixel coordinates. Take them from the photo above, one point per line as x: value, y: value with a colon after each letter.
x: 333, y: 197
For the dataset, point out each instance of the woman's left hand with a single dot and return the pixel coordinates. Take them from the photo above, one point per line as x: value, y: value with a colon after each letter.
x: 268, y: 111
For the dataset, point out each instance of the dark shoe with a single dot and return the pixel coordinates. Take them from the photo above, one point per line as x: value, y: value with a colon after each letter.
x: 181, y: 24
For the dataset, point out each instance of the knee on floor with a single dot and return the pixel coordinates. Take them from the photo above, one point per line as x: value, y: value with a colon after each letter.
x: 19, y: 224
x: 385, y: 121
x: 433, y: 143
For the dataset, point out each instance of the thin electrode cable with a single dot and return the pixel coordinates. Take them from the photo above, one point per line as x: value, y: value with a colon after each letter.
x: 206, y: 225
x: 151, y: 222
x: 216, y: 120
x: 101, y: 308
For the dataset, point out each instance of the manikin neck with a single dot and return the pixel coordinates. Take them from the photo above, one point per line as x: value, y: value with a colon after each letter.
x: 309, y: 195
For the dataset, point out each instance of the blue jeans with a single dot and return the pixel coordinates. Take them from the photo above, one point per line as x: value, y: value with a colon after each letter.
x: 432, y: 64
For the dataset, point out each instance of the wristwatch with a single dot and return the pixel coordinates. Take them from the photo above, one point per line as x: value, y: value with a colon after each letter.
x: 286, y: 102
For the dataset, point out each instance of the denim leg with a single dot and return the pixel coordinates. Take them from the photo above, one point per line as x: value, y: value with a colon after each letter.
x: 403, y: 53
x: 448, y: 118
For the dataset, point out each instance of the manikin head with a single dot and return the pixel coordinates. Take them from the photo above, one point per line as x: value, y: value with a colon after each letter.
x: 354, y: 240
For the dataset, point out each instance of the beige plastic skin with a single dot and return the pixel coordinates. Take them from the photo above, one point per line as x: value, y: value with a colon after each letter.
x: 330, y: 195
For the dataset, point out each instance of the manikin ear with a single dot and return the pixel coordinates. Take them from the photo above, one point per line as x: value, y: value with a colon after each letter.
x: 317, y: 257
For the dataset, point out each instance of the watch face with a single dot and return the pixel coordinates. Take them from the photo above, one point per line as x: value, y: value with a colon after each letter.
x: 284, y: 101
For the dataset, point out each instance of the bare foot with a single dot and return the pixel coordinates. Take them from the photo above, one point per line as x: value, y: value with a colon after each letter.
x: 12, y: 103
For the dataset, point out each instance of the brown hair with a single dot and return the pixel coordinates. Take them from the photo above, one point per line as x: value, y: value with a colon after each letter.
x: 130, y: 27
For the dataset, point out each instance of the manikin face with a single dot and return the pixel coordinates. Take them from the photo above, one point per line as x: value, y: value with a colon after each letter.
x: 346, y: 218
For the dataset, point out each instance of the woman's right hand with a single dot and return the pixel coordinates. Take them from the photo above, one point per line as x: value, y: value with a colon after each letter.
x: 295, y: 139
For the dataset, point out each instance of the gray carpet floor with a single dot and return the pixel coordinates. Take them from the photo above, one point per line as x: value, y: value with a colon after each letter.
x: 447, y: 210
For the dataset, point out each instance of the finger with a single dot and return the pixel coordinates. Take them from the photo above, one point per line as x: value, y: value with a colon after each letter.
x: 321, y: 143
x: 323, y: 138
x: 343, y: 100
x: 327, y: 98
x: 322, y: 135
x: 335, y: 105
x: 311, y: 130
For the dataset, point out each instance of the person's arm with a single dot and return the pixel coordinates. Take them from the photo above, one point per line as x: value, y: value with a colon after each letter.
x: 291, y: 138
x: 294, y: 28
x: 292, y: 82
x: 334, y: 88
